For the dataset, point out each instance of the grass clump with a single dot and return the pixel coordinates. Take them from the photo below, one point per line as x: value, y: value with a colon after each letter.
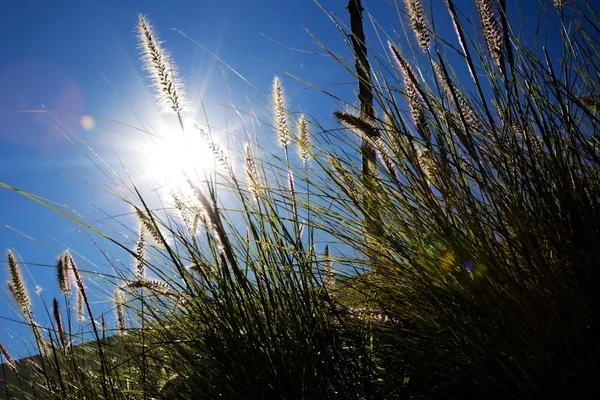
x: 465, y: 248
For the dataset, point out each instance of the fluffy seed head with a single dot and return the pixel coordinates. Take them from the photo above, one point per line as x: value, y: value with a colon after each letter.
x: 418, y: 22
x: 280, y: 115
x: 140, y: 262
x: 16, y: 285
x: 303, y: 139
x: 148, y: 225
x: 415, y: 101
x: 169, y: 91
x: 492, y: 30
x: 79, y: 307
x: 153, y: 285
x: 219, y: 153
x: 461, y: 102
x: 251, y: 172
x: 10, y: 361
x: 64, y: 275
x: 119, y: 299
x: 361, y: 126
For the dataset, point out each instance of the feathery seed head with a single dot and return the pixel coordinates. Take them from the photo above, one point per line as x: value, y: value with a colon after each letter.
x: 153, y: 285
x: 362, y: 127
x: 64, y: 275
x: 280, y: 115
x: 10, y: 361
x: 303, y: 139
x: 457, y: 98
x: 217, y: 150
x: 211, y: 216
x: 411, y: 88
x: 140, y: 264
x: 425, y: 162
x: 418, y: 22
x: 79, y: 307
x: 169, y: 91
x: 17, y: 285
x: 147, y: 223
x: 119, y: 299
x: 251, y: 172
x: 492, y: 30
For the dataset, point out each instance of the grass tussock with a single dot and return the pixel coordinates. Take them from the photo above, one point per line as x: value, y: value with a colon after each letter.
x: 462, y: 264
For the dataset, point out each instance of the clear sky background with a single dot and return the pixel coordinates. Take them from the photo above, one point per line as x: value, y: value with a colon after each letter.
x: 82, y: 57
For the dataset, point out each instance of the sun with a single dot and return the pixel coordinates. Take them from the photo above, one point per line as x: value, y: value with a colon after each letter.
x: 174, y: 155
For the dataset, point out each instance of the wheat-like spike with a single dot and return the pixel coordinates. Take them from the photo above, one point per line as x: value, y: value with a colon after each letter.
x: 81, y: 292
x: 425, y: 162
x: 461, y: 103
x: 418, y: 22
x: 79, y: 307
x: 492, y: 30
x: 411, y: 88
x: 17, y: 285
x: 59, y: 325
x: 303, y: 139
x: 211, y: 217
x: 361, y: 126
x: 10, y: 361
x: 189, y: 218
x: 153, y: 285
x: 280, y: 115
x: 119, y: 299
x: 140, y: 261
x: 149, y: 226
x: 169, y: 90
x: 64, y: 275
x: 252, y: 172
x: 219, y: 153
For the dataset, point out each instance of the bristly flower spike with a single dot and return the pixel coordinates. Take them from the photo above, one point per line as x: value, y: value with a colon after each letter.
x: 492, y: 30
x: 303, y: 139
x: 281, y: 123
x: 64, y: 275
x: 119, y: 300
x: 17, y: 285
x: 418, y: 22
x: 251, y: 172
x: 158, y: 62
x: 10, y: 361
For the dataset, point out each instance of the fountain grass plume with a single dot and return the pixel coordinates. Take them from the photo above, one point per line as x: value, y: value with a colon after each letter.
x: 163, y: 72
x: 119, y: 301
x: 280, y: 114
x: 17, y: 286
x: 251, y: 172
x: 418, y: 22
x: 492, y: 29
x: 303, y: 139
x: 64, y: 275
x: 10, y: 361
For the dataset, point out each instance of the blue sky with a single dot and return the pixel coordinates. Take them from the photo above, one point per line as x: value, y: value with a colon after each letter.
x: 82, y: 58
